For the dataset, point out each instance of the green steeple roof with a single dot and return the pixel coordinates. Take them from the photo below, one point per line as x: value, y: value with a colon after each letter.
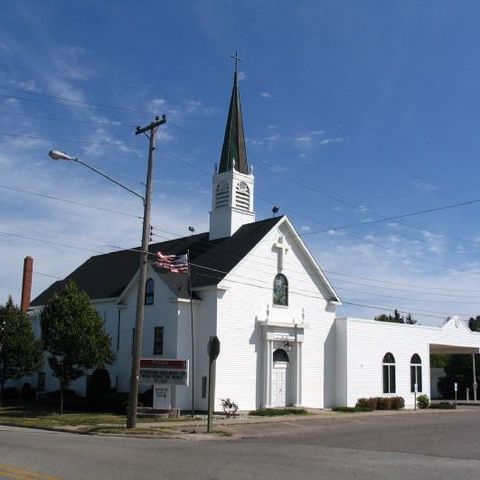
x: 234, y: 141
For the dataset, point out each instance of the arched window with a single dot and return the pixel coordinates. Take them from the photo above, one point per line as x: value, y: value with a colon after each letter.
x: 280, y: 355
x: 389, y: 373
x: 416, y: 373
x: 149, y: 292
x: 280, y: 290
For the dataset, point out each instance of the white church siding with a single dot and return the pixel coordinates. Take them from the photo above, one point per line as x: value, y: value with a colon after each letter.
x: 247, y: 302
x: 364, y: 343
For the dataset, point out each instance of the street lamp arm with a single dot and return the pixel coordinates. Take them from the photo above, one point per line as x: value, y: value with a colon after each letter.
x: 108, y: 177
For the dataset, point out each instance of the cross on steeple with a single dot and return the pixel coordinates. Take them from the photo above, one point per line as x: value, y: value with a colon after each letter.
x: 237, y: 59
x: 282, y: 247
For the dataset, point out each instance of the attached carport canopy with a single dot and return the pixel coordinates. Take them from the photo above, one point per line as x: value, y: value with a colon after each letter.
x: 436, y: 349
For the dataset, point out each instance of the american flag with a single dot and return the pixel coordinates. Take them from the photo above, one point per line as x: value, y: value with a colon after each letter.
x: 172, y: 263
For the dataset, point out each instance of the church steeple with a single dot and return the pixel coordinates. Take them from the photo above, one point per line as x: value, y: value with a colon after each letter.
x: 233, y: 183
x: 234, y: 153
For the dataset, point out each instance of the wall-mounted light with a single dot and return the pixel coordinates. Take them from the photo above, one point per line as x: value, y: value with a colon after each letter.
x: 287, y: 346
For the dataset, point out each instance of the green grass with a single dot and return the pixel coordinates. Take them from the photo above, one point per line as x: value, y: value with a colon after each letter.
x: 43, y: 416
x: 276, y: 412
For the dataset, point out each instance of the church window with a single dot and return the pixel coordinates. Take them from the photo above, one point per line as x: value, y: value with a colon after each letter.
x: 389, y: 373
x: 415, y: 373
x: 280, y: 355
x: 280, y: 290
x: 158, y: 341
x: 221, y: 195
x: 242, y: 198
x: 149, y: 292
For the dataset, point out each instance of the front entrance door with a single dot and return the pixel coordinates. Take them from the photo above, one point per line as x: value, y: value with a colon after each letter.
x: 279, y: 384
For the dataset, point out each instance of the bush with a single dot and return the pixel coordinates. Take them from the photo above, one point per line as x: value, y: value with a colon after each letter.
x: 367, y: 403
x: 10, y: 393
x: 274, y: 412
x: 397, y: 403
x: 380, y: 403
x: 352, y: 409
x: 28, y: 392
x: 111, y: 402
x: 423, y: 401
x: 443, y: 406
x: 99, y: 382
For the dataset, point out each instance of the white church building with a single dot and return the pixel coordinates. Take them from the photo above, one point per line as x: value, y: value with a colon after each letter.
x: 257, y: 287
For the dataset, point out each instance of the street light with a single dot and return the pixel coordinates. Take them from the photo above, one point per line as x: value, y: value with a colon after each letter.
x: 142, y: 275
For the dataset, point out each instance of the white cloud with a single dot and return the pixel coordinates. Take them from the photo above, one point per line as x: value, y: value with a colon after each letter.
x: 242, y: 75
x: 266, y: 95
x: 424, y: 186
x: 332, y: 141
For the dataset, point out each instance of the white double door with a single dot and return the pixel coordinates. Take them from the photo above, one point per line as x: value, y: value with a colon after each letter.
x: 279, y: 384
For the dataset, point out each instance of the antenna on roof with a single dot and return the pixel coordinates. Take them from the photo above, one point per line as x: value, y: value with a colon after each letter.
x: 191, y: 229
x: 275, y: 210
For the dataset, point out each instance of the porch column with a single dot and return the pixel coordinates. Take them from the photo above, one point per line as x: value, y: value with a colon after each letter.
x: 267, y: 373
x: 298, y: 374
x: 474, y: 379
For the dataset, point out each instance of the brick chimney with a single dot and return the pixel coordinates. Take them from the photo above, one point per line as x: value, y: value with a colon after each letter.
x: 27, y: 283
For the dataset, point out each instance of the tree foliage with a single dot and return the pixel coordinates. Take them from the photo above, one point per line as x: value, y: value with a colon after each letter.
x: 459, y: 369
x: 74, y: 336
x: 474, y: 324
x: 396, y: 318
x: 20, y: 353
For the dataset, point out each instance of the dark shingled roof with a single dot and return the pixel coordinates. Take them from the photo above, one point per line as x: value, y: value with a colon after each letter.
x: 107, y: 276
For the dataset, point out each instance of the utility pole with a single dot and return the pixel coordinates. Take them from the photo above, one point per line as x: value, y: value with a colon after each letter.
x: 142, y: 275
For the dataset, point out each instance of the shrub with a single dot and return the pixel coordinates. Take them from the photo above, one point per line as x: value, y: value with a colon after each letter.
x: 352, y: 409
x: 28, y: 392
x: 10, y: 393
x: 367, y: 403
x: 384, y: 403
x: 423, y: 401
x: 275, y: 412
x: 397, y: 403
x: 99, y: 382
x: 111, y: 402
x: 443, y: 406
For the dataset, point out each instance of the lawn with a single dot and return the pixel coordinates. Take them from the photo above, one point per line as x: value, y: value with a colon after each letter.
x: 43, y: 416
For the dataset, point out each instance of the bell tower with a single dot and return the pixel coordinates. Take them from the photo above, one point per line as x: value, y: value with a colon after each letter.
x: 233, y: 182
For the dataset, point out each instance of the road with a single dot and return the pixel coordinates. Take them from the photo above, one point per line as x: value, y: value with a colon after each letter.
x: 442, y: 445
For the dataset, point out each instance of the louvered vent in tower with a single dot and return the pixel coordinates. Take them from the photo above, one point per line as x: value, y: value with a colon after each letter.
x: 242, y: 198
x: 221, y: 195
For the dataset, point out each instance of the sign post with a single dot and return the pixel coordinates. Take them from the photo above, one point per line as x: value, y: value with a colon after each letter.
x: 213, y: 352
x: 455, y: 387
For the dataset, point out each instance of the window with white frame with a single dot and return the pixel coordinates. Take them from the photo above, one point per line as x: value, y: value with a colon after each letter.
x: 416, y: 373
x: 389, y: 373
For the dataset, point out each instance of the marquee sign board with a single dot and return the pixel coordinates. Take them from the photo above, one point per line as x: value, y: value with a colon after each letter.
x: 155, y: 371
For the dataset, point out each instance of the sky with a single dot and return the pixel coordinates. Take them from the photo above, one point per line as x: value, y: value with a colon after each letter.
x: 355, y: 114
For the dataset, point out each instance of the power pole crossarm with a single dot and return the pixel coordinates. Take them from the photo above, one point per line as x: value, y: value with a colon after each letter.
x: 142, y: 275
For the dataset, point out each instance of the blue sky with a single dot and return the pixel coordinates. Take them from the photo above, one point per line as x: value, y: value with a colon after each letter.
x: 353, y: 112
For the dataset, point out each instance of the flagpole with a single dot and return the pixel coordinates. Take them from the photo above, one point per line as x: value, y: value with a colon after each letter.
x: 192, y: 331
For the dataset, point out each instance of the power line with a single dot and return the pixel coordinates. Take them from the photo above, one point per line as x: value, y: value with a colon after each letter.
x: 72, y: 202
x: 65, y: 140
x: 69, y: 100
x: 73, y: 120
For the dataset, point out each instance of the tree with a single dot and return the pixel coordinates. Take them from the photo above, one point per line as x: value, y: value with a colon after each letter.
x: 20, y: 353
x: 74, y: 336
x: 474, y: 324
x: 396, y: 318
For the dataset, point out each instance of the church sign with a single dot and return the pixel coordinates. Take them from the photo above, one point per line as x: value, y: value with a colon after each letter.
x: 162, y: 371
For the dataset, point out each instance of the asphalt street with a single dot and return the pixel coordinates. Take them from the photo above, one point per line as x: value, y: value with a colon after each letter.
x: 442, y: 445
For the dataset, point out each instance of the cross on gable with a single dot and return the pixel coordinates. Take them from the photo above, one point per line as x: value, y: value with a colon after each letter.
x: 282, y: 248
